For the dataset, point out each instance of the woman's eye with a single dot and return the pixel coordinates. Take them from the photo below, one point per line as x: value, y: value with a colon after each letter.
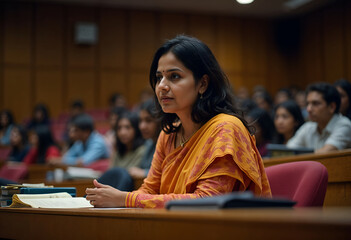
x: 175, y: 76
x: 158, y: 78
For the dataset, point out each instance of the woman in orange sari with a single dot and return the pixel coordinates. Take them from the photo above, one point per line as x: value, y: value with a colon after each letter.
x: 206, y: 147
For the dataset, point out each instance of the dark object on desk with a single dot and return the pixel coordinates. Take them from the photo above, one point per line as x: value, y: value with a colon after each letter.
x: 69, y: 190
x: 232, y: 200
x: 275, y: 150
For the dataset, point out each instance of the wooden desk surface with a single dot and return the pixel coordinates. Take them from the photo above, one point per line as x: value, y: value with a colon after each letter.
x: 332, y: 223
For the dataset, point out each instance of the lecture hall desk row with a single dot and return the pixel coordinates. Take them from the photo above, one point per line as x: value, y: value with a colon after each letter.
x: 338, y: 164
x: 303, y: 223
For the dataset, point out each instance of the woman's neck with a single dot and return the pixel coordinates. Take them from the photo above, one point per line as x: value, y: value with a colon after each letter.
x: 189, y: 127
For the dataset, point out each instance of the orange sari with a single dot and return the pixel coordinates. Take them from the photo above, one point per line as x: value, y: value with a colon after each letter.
x: 219, y: 158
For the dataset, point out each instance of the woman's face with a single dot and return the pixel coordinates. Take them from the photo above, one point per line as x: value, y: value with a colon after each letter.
x: 33, y: 139
x: 175, y: 88
x: 15, y: 137
x: 147, y: 125
x: 344, y: 100
x: 125, y: 131
x: 284, y: 121
x: 4, y: 120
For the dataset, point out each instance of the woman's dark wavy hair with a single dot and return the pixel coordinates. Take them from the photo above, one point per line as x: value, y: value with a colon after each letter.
x: 133, y: 118
x: 23, y: 133
x: 198, y: 58
x: 10, y: 117
x: 346, y: 86
x: 45, y: 140
x: 294, y: 109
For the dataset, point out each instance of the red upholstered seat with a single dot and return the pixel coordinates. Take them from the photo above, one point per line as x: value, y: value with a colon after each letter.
x: 304, y: 182
x: 14, y: 172
x: 100, y: 165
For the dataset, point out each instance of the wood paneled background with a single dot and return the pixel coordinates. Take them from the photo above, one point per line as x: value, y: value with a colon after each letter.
x: 39, y: 61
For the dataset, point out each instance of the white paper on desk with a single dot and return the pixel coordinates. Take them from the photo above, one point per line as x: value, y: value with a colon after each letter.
x: 79, y: 202
x: 54, y: 200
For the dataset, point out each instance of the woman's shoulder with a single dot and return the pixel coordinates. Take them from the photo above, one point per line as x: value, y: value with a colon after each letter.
x: 224, y: 119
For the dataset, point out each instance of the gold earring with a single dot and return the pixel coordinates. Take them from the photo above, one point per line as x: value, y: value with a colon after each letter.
x: 200, y: 95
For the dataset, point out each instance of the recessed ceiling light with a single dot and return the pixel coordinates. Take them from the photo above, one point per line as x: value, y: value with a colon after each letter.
x: 244, y: 1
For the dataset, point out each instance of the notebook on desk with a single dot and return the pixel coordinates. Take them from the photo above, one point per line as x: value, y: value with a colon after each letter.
x: 231, y: 200
x: 277, y: 150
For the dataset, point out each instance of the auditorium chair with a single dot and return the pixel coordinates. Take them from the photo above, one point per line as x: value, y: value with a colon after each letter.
x: 304, y: 182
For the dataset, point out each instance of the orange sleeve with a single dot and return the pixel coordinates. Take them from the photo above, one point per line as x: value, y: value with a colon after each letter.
x: 208, y: 187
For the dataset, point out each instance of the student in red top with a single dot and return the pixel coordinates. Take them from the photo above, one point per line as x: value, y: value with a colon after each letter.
x: 43, y: 146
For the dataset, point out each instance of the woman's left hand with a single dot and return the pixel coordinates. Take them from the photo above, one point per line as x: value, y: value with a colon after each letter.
x: 105, y: 196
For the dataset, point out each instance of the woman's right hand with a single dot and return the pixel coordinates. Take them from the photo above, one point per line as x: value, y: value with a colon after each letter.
x: 105, y: 196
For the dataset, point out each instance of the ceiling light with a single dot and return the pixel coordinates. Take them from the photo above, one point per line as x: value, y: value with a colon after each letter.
x: 244, y: 1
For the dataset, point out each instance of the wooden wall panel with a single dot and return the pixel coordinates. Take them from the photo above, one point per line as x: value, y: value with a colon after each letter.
x: 112, y: 82
x: 49, y: 35
x: 140, y: 82
x: 80, y: 55
x: 142, y: 39
x: 229, y: 48
x: 333, y: 44
x: 347, y: 32
x: 49, y: 89
x: 170, y: 25
x: 312, y: 49
x: 204, y: 28
x: 81, y: 85
x: 113, y: 39
x: 2, y: 20
x: 18, y: 33
x: 37, y: 47
x: 254, y: 52
x: 17, y: 94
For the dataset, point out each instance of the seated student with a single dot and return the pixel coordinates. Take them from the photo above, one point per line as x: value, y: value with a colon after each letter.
x: 110, y: 135
x: 205, y: 148
x: 344, y: 88
x: 6, y: 123
x: 287, y: 120
x: 77, y: 108
x: 40, y: 117
x: 264, y: 126
x: 43, y: 146
x: 19, y: 144
x: 122, y: 178
x: 150, y: 129
x: 129, y: 142
x: 327, y: 130
x: 89, y: 145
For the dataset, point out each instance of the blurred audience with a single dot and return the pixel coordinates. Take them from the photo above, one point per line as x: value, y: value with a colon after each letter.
x: 110, y: 135
x: 43, y: 148
x: 327, y: 130
x: 19, y: 144
x: 129, y: 142
x: 344, y: 88
x: 89, y: 146
x: 264, y: 126
x: 117, y: 100
x: 287, y: 119
x: 122, y: 178
x: 40, y: 117
x: 6, y: 124
x: 283, y: 95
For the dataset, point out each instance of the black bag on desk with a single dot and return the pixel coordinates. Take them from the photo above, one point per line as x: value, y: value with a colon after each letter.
x: 231, y: 200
